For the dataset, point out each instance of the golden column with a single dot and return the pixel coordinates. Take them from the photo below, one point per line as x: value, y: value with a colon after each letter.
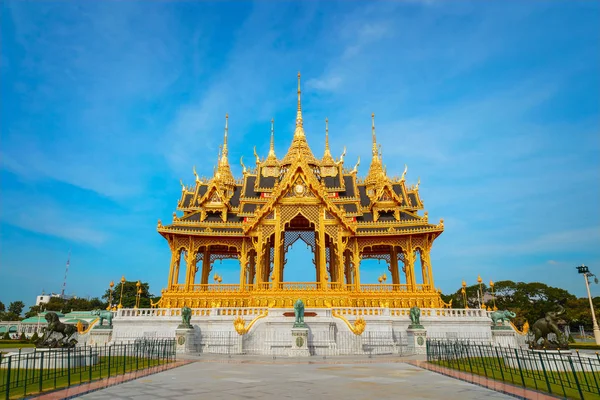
x: 121, y: 298
x: 464, y: 294
x: 493, y: 295
x: 110, y: 292
x: 394, y: 266
x: 138, y: 294
x: 479, y: 280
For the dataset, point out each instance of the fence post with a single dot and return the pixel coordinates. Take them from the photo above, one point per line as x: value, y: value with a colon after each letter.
x: 109, y: 351
x: 593, y: 373
x: 26, y: 373
x: 520, y: 370
x: 545, y: 374
x: 583, y: 371
x: 41, y: 371
x: 124, y: 358
x: 576, y: 380
x: 19, y: 367
x: 68, y: 367
x: 8, y: 378
x: 91, y: 363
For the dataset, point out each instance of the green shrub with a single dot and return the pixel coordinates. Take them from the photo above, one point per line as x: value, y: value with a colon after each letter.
x: 34, y: 338
x: 6, y: 336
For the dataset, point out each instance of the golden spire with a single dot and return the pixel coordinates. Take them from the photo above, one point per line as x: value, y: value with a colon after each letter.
x: 327, y: 158
x: 299, y: 144
x: 271, y: 159
x: 224, y: 170
x: 376, y: 173
x: 374, y: 151
x: 225, y: 151
x: 299, y: 130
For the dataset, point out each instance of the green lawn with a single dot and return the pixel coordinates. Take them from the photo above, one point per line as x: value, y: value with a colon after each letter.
x: 15, y: 345
x: 563, y: 384
x: 28, y: 382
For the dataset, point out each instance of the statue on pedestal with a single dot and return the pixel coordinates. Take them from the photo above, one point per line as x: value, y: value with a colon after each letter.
x: 299, y: 314
x: 415, y: 318
x: 55, y: 326
x: 103, y: 315
x: 501, y: 316
x: 186, y: 316
x: 543, y: 327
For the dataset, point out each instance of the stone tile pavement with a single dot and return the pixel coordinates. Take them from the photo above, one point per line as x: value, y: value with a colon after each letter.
x: 296, y: 379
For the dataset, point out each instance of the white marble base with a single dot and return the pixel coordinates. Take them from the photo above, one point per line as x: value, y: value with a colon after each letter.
x: 417, y: 338
x: 299, y: 343
x: 185, y: 340
x: 504, y: 338
x: 385, y: 333
x: 100, y: 337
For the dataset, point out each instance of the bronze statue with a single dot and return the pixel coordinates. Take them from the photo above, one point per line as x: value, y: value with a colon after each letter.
x: 543, y: 327
x: 501, y: 316
x: 299, y: 314
x: 103, y: 315
x: 186, y: 316
x: 415, y: 317
x: 55, y: 326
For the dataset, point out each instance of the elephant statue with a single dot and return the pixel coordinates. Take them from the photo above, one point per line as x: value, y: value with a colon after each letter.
x: 186, y: 316
x: 501, y: 316
x: 103, y: 315
x: 544, y: 326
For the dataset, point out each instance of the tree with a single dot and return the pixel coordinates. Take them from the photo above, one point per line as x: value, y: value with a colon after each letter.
x: 472, y: 297
x: 129, y: 295
x: 16, y: 307
x: 2, y: 308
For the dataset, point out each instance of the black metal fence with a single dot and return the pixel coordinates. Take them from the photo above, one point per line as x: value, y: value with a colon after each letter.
x: 28, y: 372
x: 566, y: 374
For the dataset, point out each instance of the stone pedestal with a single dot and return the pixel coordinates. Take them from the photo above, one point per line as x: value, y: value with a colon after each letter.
x: 299, y: 343
x: 184, y: 339
x: 417, y: 340
x: 504, y: 337
x: 100, y: 335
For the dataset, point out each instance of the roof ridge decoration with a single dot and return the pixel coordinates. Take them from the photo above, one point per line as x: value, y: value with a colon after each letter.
x: 271, y: 159
x: 299, y: 144
x: 327, y: 158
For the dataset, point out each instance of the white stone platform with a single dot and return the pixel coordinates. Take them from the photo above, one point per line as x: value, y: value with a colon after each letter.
x: 385, y: 333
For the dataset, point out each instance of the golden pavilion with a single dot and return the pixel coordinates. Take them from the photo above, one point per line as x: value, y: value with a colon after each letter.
x: 341, y: 217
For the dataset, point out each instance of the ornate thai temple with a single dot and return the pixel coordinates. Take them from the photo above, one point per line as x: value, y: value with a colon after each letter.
x: 342, y: 217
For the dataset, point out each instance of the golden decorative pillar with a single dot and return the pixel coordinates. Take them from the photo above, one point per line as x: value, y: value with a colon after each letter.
x: 205, y: 266
x: 190, y: 260
x: 277, y: 265
x: 394, y: 266
x: 243, y: 267
x: 252, y: 272
x: 322, y: 254
x: 409, y: 266
x: 174, y: 270
x: 347, y: 262
x: 426, y: 267
x: 356, y: 262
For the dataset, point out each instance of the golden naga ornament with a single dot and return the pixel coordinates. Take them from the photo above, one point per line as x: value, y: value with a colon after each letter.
x: 344, y: 219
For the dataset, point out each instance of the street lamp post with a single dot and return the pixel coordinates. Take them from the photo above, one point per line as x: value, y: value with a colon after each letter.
x: 110, y: 291
x: 121, y: 298
x: 493, y: 296
x: 582, y: 269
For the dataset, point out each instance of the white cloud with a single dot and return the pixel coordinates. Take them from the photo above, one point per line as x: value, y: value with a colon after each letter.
x: 329, y: 83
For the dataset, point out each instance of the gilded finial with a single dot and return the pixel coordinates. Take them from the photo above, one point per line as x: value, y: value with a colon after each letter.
x: 355, y: 169
x: 196, y: 174
x: 342, y: 156
x: 256, y: 156
x: 182, y: 185
x: 404, y: 173
x: 244, y: 169
x: 327, y: 158
x: 272, y: 144
x: 225, y: 150
x: 299, y: 132
x: 375, y: 152
x: 418, y: 183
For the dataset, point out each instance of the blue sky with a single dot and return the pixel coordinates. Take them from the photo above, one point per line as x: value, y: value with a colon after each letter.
x: 106, y: 105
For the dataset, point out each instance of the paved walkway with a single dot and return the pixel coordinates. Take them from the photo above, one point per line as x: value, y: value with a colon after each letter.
x: 297, y: 379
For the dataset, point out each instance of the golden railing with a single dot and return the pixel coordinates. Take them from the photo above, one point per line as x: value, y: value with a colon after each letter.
x: 299, y: 286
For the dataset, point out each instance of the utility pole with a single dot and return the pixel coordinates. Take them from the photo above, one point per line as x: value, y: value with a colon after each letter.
x: 582, y: 269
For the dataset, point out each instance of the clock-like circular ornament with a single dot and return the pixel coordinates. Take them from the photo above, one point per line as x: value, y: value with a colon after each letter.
x: 299, y: 189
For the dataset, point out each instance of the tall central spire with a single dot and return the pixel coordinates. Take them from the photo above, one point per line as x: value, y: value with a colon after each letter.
x: 299, y: 145
x: 271, y: 159
x: 223, y: 169
x: 376, y: 173
x: 299, y: 132
x: 327, y: 158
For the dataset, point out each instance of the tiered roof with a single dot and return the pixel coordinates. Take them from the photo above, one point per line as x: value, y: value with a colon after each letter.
x: 223, y: 205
